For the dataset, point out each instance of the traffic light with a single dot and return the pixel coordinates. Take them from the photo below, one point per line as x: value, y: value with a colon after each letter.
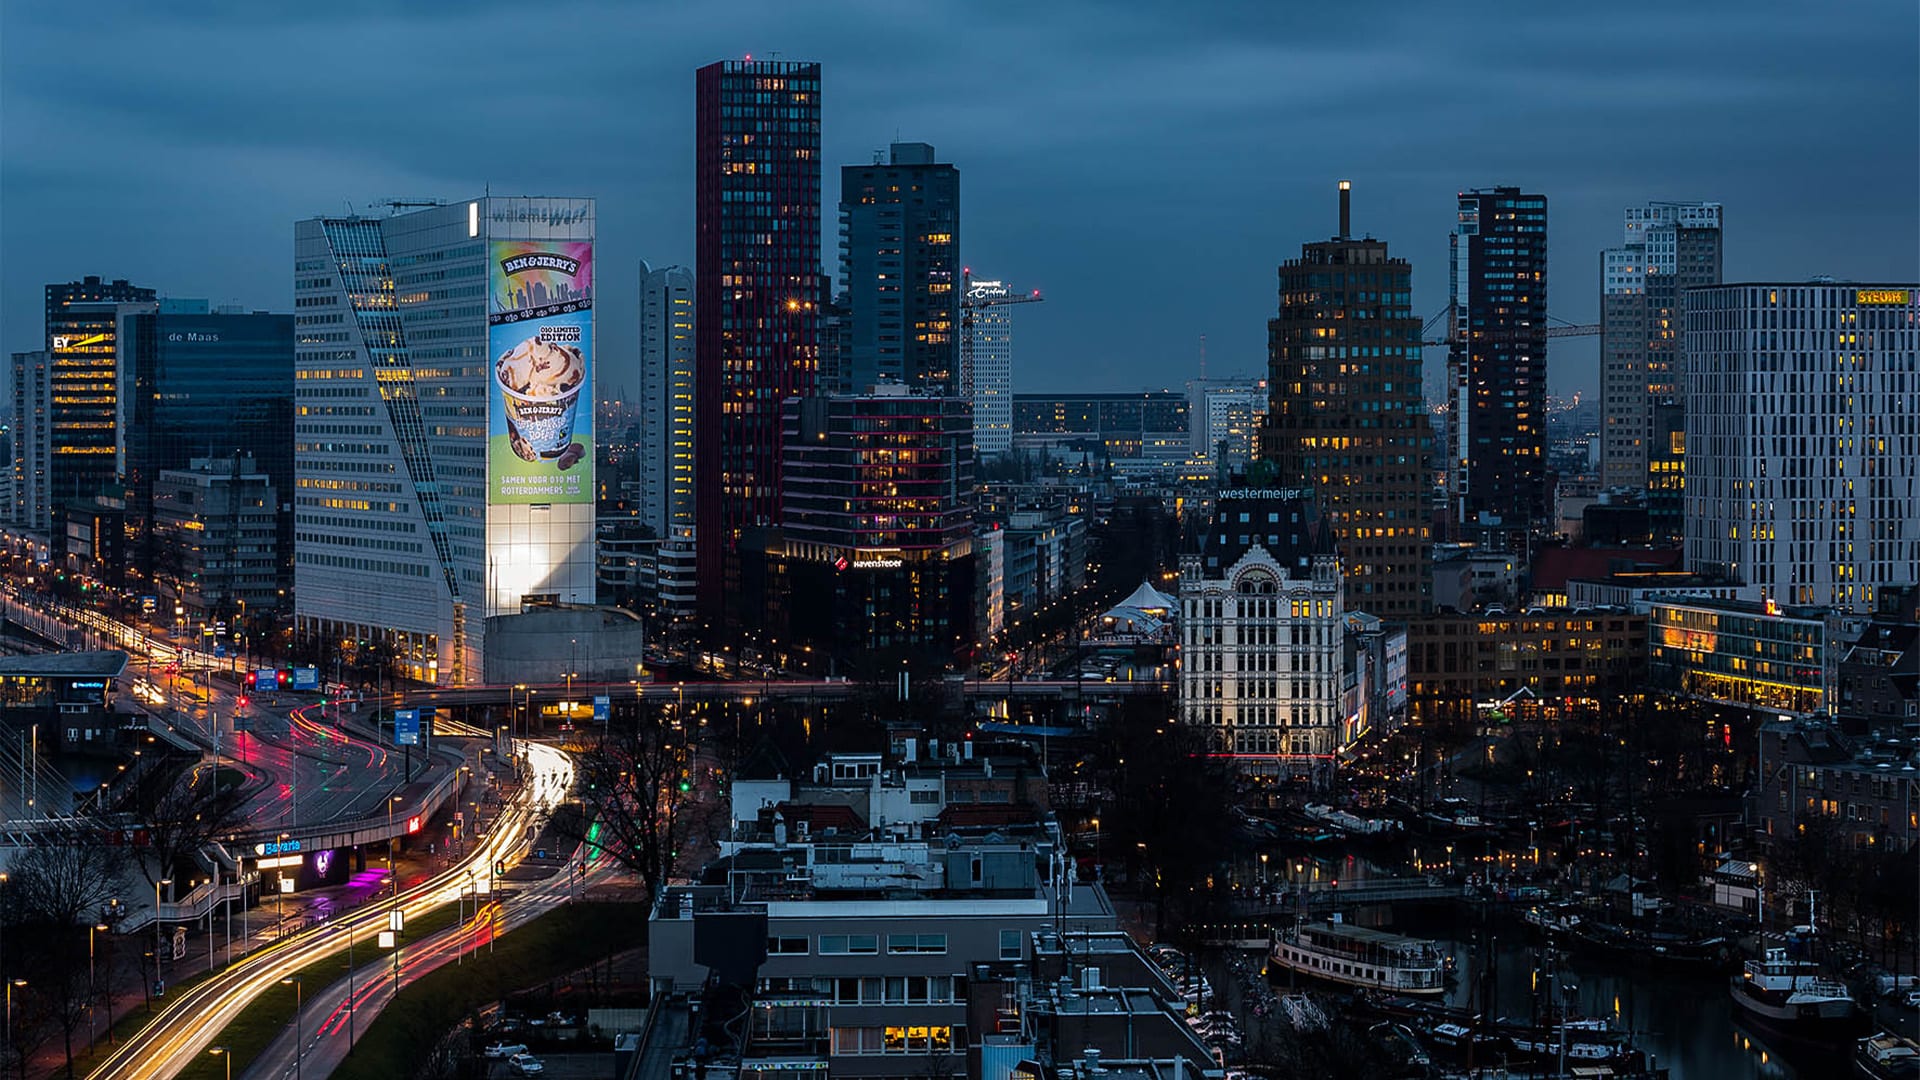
x: 245, y: 701
x: 686, y: 784
x: 500, y: 867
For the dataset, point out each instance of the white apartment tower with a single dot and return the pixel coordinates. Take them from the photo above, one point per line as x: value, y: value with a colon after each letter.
x: 443, y: 425
x: 1226, y: 412
x: 31, y: 392
x: 986, y: 374
x: 1261, y: 631
x: 1803, y: 438
x: 1670, y: 247
x: 666, y: 429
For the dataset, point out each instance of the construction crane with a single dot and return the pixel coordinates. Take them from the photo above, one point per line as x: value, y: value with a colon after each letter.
x: 973, y: 297
x: 1442, y: 324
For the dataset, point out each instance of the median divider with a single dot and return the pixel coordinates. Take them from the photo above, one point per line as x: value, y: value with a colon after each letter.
x: 267, y: 1017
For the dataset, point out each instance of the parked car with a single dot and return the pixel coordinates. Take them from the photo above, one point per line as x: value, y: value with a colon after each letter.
x: 526, y: 1065
x: 504, y: 1050
x: 1912, y: 998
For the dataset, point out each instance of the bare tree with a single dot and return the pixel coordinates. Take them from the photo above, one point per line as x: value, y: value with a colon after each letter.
x: 56, y: 890
x: 639, y: 794
x: 65, y: 884
x: 182, y: 814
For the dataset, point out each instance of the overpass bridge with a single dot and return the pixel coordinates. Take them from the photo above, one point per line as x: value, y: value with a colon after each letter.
x: 783, y: 689
x: 1252, y: 924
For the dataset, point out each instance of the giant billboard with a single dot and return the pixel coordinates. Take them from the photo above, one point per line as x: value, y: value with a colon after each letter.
x: 540, y: 378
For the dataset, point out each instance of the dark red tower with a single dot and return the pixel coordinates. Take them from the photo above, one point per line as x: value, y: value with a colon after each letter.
x: 756, y: 298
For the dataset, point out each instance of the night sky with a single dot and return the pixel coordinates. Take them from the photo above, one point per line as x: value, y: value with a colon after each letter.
x: 1146, y: 167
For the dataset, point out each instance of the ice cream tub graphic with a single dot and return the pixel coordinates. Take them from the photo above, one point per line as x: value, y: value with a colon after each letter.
x: 540, y: 380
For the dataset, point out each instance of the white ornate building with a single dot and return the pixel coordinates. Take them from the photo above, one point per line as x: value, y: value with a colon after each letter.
x: 1261, y: 649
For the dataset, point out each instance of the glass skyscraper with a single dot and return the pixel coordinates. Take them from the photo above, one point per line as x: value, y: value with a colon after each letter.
x: 1497, y: 367
x: 757, y: 291
x: 83, y: 418
x: 206, y: 384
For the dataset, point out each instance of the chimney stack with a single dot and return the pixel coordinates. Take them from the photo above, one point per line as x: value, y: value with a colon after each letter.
x: 1346, y: 209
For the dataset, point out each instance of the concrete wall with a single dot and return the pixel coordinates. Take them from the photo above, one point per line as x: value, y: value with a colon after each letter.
x: 540, y: 645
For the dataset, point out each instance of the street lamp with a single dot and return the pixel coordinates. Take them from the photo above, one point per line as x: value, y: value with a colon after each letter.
x: 156, y: 921
x: 221, y: 1051
x: 91, y: 992
x: 1759, y: 898
x: 299, y: 1036
x: 392, y: 842
x: 10, y: 985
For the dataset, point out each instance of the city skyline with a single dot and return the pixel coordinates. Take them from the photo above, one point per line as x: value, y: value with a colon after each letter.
x: 1106, y: 171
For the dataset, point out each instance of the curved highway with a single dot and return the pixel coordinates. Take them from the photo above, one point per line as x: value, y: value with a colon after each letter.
x: 319, y: 773
x: 196, y: 1017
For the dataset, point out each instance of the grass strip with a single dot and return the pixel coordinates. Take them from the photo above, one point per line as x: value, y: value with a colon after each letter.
x: 264, y: 1018
x: 130, y: 1022
x: 560, y: 942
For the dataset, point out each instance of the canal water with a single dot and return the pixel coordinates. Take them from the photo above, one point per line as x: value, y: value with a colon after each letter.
x: 1685, y: 1022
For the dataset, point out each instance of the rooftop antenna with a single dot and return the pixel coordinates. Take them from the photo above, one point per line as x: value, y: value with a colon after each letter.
x: 1346, y: 209
x: 1203, y: 358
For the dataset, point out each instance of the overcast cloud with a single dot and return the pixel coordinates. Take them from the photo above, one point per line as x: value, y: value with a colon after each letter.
x: 1146, y: 165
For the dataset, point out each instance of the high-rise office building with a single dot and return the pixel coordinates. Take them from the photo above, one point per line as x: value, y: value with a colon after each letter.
x: 1803, y: 439
x: 214, y: 533
x: 443, y: 427
x: 666, y: 433
x: 84, y: 419
x: 1345, y: 415
x: 757, y: 292
x: 31, y: 396
x: 1147, y: 426
x: 986, y: 365
x: 1497, y: 367
x: 206, y: 384
x: 1225, y: 417
x: 872, y: 563
x: 1670, y: 247
x: 900, y: 267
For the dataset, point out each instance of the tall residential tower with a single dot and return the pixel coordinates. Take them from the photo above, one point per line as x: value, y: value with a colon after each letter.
x: 1670, y: 247
x: 757, y: 291
x: 1803, y: 439
x: 666, y: 430
x: 1497, y: 367
x: 1345, y: 415
x: 900, y: 267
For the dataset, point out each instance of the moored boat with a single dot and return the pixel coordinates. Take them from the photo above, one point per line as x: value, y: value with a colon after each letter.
x: 1887, y: 1056
x: 1362, y: 958
x: 1792, y: 996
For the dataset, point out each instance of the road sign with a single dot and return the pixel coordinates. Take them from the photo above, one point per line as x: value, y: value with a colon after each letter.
x: 306, y: 678
x: 602, y: 705
x: 406, y: 727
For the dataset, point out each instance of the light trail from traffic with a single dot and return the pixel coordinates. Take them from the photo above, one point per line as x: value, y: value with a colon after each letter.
x: 194, y: 1019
